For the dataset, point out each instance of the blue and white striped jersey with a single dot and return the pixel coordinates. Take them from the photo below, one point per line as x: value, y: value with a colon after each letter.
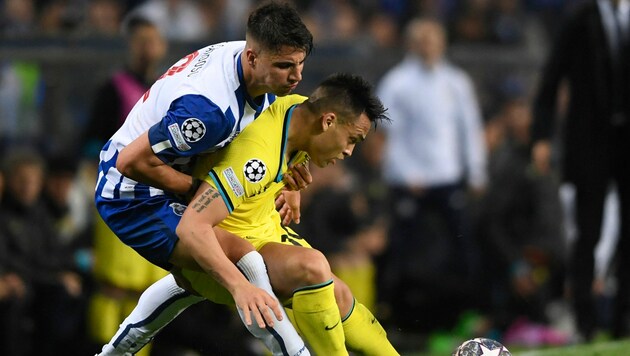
x: 199, y: 105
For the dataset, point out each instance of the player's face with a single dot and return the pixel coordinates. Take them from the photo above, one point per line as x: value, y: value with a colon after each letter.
x: 26, y: 183
x: 339, y: 140
x: 279, y: 72
x: 147, y: 47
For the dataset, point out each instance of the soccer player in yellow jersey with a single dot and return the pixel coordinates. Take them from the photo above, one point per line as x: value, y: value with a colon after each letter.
x: 240, y: 184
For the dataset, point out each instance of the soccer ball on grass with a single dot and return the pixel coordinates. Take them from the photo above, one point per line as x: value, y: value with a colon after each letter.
x: 481, y: 347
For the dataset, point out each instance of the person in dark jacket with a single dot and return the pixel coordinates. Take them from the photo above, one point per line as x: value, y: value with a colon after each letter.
x: 591, y: 53
x: 33, y: 252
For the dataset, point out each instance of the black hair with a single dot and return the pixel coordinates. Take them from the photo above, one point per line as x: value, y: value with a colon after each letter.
x: 275, y: 25
x: 21, y: 156
x: 350, y: 96
x: 134, y: 23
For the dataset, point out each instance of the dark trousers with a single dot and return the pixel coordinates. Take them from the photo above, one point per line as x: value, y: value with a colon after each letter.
x: 590, y: 198
x: 430, y: 249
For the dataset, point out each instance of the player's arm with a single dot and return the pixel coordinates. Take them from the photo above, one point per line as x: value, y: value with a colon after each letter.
x: 138, y: 162
x: 196, y: 236
x: 192, y: 125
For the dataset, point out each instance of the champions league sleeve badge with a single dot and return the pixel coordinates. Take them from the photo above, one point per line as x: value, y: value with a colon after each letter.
x: 193, y: 130
x: 254, y: 170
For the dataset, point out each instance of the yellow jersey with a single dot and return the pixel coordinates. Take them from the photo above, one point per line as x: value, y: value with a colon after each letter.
x: 248, y: 172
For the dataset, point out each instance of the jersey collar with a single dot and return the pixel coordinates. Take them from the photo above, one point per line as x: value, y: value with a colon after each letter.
x: 285, y: 137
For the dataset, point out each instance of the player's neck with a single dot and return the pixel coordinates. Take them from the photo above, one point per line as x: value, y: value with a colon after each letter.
x: 252, y: 88
x: 298, y: 130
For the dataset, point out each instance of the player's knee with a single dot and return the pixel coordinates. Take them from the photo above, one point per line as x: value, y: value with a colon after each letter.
x: 314, y: 267
x: 343, y: 296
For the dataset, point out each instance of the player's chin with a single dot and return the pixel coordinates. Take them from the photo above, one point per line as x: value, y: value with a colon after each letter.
x: 320, y: 164
x: 284, y: 91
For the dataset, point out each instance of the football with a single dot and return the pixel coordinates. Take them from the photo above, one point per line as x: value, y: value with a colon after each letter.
x: 481, y: 347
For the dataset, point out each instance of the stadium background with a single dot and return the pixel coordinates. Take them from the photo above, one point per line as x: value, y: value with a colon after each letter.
x: 60, y: 51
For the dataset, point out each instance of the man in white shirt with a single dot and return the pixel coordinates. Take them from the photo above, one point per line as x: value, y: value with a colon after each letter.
x: 434, y: 151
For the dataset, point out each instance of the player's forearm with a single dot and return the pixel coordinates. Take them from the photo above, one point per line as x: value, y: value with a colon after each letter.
x: 138, y: 162
x: 160, y: 176
x: 208, y: 254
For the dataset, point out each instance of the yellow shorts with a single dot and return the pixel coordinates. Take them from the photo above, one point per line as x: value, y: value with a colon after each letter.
x: 283, y: 235
x: 210, y: 289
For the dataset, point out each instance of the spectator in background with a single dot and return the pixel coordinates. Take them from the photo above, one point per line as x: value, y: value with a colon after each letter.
x: 178, y: 20
x: 12, y: 296
x: 17, y: 18
x: 61, y: 17
x: 592, y: 53
x: 64, y: 202
x: 20, y: 101
x: 520, y: 234
x: 434, y: 153
x: 114, y: 100
x: 103, y: 18
x: 36, y: 256
x: 472, y: 22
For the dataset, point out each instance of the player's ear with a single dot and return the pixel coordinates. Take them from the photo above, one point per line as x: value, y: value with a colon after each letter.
x: 251, y: 56
x: 328, y: 119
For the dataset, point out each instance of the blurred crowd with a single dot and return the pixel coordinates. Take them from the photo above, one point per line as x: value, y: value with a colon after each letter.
x: 464, y: 237
x: 489, y: 21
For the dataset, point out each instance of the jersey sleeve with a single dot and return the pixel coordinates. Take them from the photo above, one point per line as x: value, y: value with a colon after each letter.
x: 192, y: 125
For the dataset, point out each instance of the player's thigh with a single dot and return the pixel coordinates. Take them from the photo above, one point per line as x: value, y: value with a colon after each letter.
x: 232, y: 245
x: 291, y: 267
x: 147, y: 225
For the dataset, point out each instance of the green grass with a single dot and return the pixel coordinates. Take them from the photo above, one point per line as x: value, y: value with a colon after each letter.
x: 608, y: 348
x: 612, y: 348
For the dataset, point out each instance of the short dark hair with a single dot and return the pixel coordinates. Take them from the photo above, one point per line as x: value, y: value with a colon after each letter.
x: 134, y: 23
x: 350, y: 96
x: 22, y: 156
x: 275, y: 25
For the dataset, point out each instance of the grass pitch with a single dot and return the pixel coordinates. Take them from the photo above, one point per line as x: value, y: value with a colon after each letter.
x: 612, y: 348
x: 600, y: 348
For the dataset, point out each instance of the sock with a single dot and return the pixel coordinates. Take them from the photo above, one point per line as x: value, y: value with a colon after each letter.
x: 162, y: 302
x: 317, y: 316
x: 364, y: 334
x: 281, y: 339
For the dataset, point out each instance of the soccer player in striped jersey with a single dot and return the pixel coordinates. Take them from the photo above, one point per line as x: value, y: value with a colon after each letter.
x: 198, y: 106
x: 238, y: 193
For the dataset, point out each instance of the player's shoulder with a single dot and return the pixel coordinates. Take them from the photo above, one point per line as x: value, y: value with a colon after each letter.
x: 227, y: 47
x: 277, y: 111
x: 285, y: 102
x: 212, y: 73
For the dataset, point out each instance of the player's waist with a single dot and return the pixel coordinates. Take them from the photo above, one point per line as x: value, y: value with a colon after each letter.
x: 111, y: 184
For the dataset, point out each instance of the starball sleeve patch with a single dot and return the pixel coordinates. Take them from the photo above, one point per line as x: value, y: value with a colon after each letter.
x: 254, y: 170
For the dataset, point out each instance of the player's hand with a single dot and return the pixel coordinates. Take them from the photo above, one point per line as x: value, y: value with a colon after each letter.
x: 288, y: 205
x: 298, y: 177
x: 255, y: 301
x: 72, y: 283
x: 541, y: 156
